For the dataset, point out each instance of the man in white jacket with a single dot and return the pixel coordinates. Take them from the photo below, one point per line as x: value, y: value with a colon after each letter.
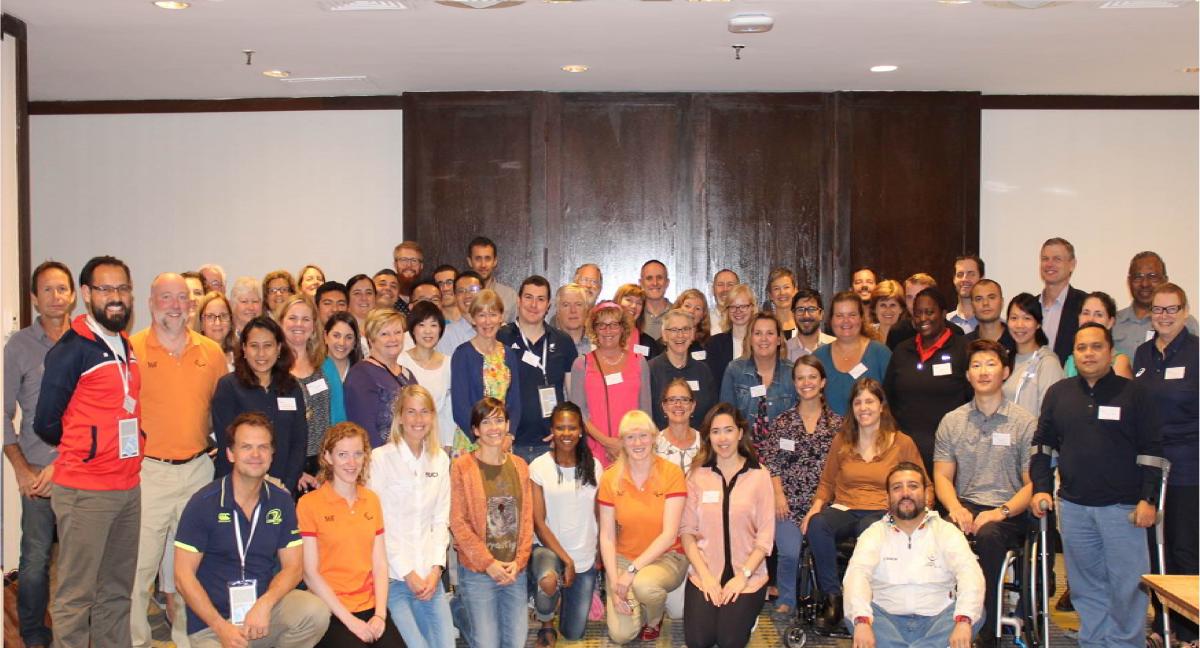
x: 913, y: 580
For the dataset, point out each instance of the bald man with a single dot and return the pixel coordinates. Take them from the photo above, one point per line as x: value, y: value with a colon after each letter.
x: 180, y: 369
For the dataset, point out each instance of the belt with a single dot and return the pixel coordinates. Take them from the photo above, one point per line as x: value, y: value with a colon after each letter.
x: 179, y: 462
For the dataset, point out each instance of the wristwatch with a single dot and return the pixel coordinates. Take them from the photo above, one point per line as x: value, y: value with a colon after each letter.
x: 862, y: 619
x: 632, y: 568
x: 746, y: 573
x: 1005, y: 511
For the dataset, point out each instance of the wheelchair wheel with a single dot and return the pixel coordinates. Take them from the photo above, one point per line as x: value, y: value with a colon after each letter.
x: 795, y: 636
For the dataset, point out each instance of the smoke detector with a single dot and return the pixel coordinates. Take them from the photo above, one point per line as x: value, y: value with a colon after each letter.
x: 751, y: 23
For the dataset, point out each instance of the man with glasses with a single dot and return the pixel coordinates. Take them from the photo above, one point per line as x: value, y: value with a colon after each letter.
x: 589, y: 276
x: 680, y: 361
x: 409, y: 261
x: 723, y: 282
x: 1147, y: 271
x: 89, y: 408
x: 213, y: 276
x: 808, y: 311
x: 466, y: 287
x: 443, y: 277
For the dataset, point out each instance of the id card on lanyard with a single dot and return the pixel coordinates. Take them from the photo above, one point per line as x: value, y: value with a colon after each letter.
x: 243, y: 593
x: 547, y: 396
x: 128, y: 445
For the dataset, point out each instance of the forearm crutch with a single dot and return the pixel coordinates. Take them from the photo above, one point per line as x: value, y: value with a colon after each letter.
x: 1159, y: 542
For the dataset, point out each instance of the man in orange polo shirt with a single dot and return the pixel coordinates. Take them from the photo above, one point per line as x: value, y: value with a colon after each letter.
x: 180, y: 369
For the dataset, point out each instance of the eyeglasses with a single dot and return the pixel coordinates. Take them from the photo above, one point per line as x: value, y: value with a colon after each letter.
x: 216, y: 317
x: 1152, y: 277
x: 677, y: 331
x: 678, y: 400
x: 588, y: 281
x: 607, y: 326
x: 279, y: 290
x: 1169, y: 310
x: 124, y: 290
x: 807, y: 310
x: 409, y: 261
x: 738, y: 307
x: 445, y: 282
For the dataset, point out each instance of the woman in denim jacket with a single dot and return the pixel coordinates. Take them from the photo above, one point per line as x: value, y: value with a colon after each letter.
x: 759, y: 383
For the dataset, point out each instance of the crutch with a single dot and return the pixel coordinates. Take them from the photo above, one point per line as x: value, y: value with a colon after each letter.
x: 1164, y: 465
x: 1044, y: 569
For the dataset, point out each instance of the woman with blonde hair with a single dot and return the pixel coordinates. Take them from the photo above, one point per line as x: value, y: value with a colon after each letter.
x: 694, y: 302
x: 412, y: 477
x: 298, y: 317
x: 342, y: 526
x: 371, y: 385
x: 722, y: 348
x: 887, y: 308
x: 483, y: 366
x: 610, y: 380
x: 641, y: 498
x: 309, y: 279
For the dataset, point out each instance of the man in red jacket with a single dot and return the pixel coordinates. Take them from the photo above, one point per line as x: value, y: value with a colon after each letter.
x: 89, y: 409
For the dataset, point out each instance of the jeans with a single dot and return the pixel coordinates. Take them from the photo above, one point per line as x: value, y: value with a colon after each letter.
x: 825, y: 530
x: 530, y: 452
x: 1106, y: 556
x: 788, y: 543
x: 423, y: 624
x: 576, y: 599
x: 912, y: 630
x: 497, y: 613
x: 33, y: 588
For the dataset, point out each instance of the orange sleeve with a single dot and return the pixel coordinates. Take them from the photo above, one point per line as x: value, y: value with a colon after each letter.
x: 465, y: 536
x: 306, y: 517
x: 525, y: 533
x: 674, y: 484
x: 604, y: 494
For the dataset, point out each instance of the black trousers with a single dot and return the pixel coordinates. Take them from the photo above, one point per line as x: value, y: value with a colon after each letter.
x: 991, y: 543
x: 1181, y: 532
x: 706, y: 625
x: 338, y: 636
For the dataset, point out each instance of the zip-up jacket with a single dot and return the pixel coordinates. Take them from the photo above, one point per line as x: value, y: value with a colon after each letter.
x: 80, y: 407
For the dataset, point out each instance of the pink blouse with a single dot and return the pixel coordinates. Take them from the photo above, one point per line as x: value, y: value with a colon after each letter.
x: 751, y: 519
x: 604, y: 405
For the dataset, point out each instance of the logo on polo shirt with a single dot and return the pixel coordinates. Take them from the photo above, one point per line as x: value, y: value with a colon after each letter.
x: 224, y: 517
x: 274, y: 516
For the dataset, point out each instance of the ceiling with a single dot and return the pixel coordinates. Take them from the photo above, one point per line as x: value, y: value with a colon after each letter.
x: 130, y: 49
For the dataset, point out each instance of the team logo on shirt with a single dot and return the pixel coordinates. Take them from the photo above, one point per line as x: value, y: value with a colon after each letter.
x: 274, y: 516
x: 224, y: 517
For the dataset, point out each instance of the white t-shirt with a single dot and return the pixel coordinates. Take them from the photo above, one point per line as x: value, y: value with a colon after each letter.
x: 437, y: 381
x: 570, y: 509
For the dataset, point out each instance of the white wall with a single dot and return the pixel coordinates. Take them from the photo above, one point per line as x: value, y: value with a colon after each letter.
x: 10, y: 305
x: 1113, y: 182
x: 251, y: 191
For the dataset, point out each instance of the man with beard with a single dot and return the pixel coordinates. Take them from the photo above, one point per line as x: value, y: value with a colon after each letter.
x: 1147, y: 271
x: 808, y: 310
x: 483, y: 259
x: 89, y: 408
x: 180, y: 369
x: 913, y: 579
x: 589, y: 276
x: 409, y: 261
x: 863, y: 282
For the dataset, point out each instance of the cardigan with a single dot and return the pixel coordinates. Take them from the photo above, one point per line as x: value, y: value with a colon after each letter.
x: 466, y: 385
x: 469, y: 512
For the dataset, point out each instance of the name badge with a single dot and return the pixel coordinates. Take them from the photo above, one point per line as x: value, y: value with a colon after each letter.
x: 787, y: 444
x: 942, y: 369
x: 694, y: 385
x: 1149, y: 335
x: 1110, y: 413
x: 286, y: 404
x: 242, y: 595
x: 127, y: 438
x: 317, y: 386
x: 839, y: 507
x: 858, y: 370
x: 531, y: 359
x: 641, y: 349
x: 548, y: 399
x: 1173, y: 373
x: 613, y: 379
x: 710, y: 497
x: 758, y: 391
x: 1001, y: 439
x: 699, y: 355
x: 129, y: 404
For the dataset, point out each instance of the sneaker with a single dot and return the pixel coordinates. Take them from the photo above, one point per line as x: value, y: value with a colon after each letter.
x: 651, y: 633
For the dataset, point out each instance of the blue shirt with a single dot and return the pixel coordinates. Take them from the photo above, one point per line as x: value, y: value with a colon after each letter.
x: 1170, y: 380
x: 838, y: 383
x: 559, y: 357
x: 741, y: 376
x: 206, y: 527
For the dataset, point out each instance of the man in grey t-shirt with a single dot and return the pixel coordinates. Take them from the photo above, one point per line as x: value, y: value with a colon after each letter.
x: 32, y: 459
x: 981, y: 467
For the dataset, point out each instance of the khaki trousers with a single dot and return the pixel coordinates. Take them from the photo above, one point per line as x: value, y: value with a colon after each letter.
x: 298, y: 620
x: 647, y: 595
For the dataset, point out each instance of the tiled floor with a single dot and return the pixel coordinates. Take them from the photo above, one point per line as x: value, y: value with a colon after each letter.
x: 766, y: 635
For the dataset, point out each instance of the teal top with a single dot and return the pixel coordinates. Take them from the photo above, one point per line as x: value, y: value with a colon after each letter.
x: 1069, y: 368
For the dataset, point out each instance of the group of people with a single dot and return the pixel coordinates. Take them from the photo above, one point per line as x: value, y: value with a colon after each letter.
x: 666, y: 457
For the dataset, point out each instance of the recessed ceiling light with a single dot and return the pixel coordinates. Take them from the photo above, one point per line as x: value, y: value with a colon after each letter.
x: 575, y: 68
x: 884, y: 68
x: 277, y: 74
x: 171, y: 4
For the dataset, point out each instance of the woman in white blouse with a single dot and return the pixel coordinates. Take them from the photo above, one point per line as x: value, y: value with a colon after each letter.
x: 411, y: 475
x: 426, y: 324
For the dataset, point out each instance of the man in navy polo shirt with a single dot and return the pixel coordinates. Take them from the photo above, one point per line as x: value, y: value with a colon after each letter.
x: 238, y: 554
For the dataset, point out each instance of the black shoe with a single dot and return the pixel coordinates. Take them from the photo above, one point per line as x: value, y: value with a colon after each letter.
x: 829, y: 620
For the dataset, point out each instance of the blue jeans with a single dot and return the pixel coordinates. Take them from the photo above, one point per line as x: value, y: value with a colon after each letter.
x: 1106, y: 556
x: 576, y: 599
x: 423, y: 624
x: 825, y: 530
x: 788, y: 543
x: 912, y: 630
x: 33, y: 589
x: 530, y: 452
x: 498, y: 613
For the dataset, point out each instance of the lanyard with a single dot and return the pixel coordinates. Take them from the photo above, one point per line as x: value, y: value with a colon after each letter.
x: 545, y: 349
x: 1030, y: 372
x: 121, y: 356
x: 237, y: 532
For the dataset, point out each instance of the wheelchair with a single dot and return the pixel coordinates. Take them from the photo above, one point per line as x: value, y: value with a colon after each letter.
x: 1025, y: 575
x: 809, y: 600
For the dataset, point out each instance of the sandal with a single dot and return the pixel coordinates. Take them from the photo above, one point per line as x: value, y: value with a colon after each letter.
x: 546, y: 638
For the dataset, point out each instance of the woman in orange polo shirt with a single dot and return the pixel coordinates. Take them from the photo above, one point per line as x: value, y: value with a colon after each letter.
x: 345, y: 565
x: 641, y: 499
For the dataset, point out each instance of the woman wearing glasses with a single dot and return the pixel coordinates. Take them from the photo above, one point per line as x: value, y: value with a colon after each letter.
x: 723, y: 347
x: 680, y: 362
